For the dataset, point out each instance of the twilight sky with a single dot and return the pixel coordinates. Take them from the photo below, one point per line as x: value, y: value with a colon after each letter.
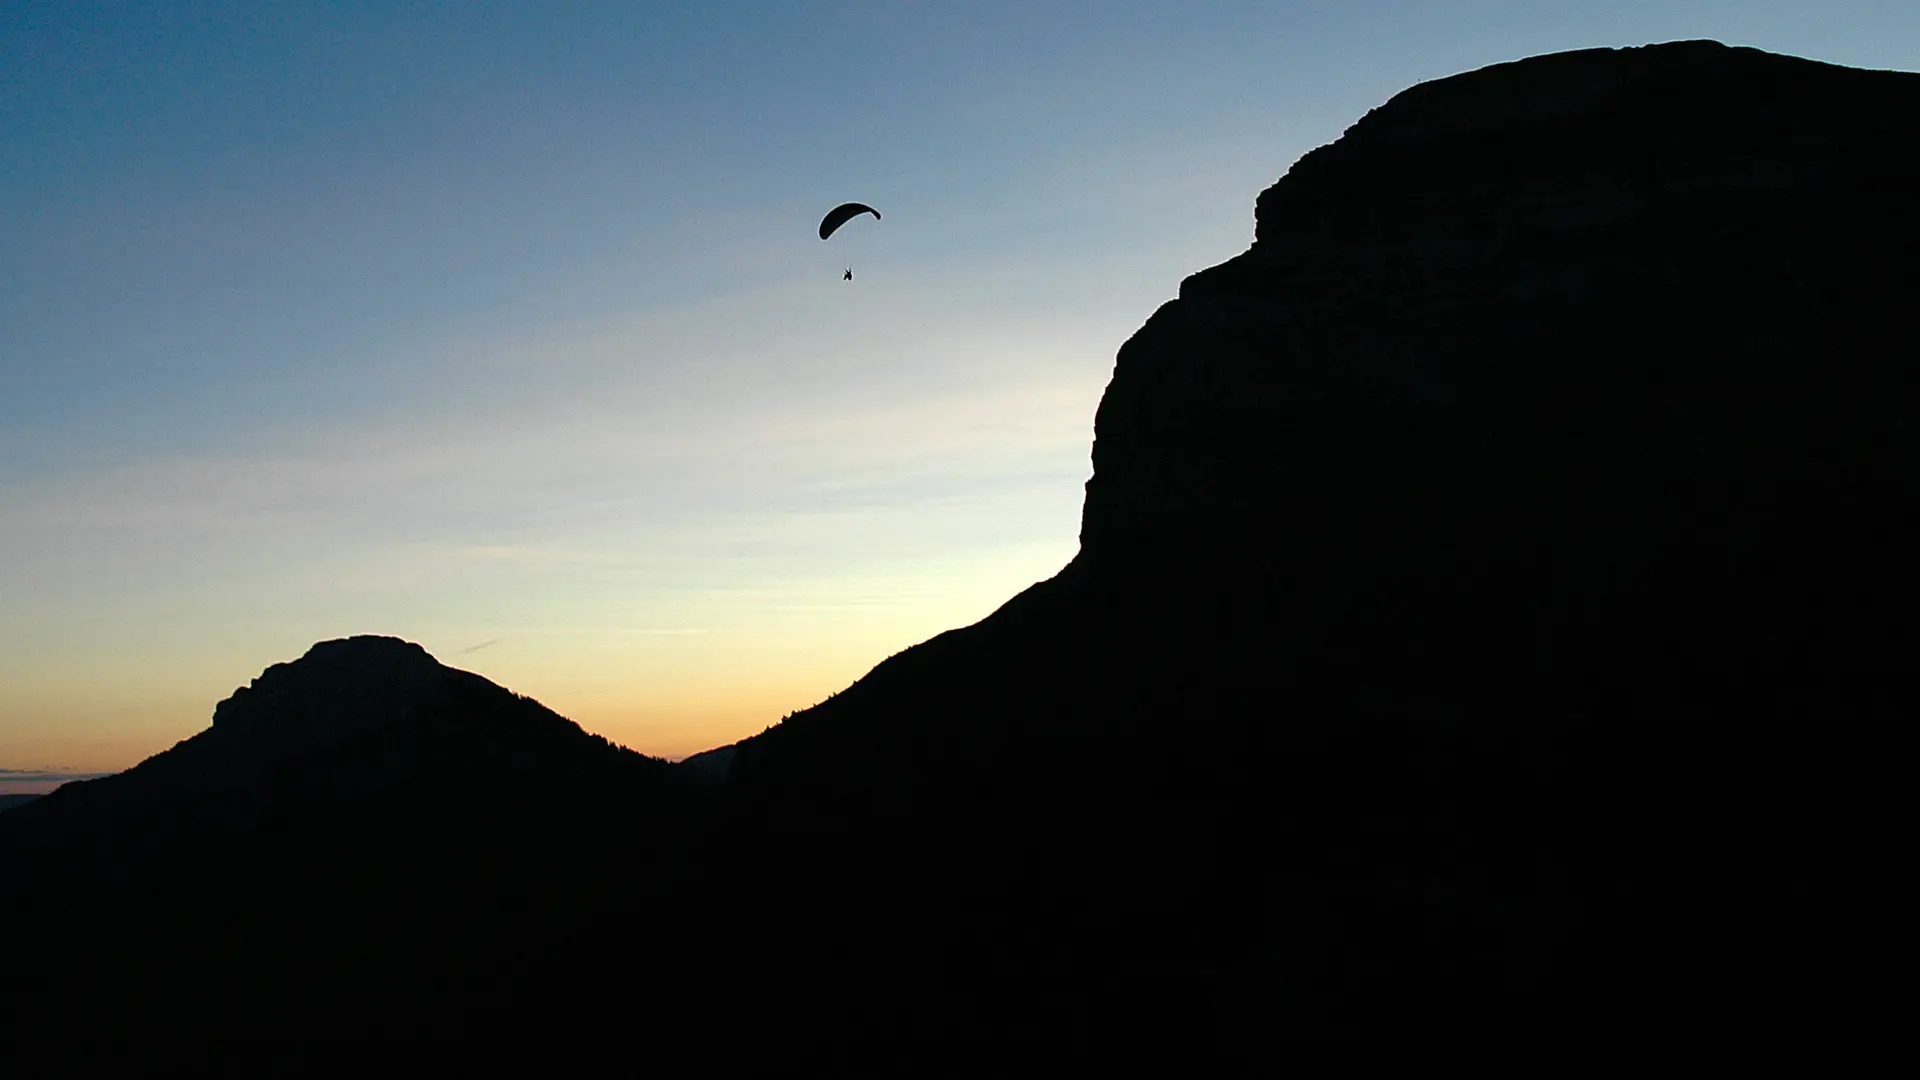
x: 503, y: 328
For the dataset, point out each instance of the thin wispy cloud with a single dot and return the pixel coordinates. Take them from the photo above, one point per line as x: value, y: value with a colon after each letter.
x: 48, y: 774
x: 41, y: 781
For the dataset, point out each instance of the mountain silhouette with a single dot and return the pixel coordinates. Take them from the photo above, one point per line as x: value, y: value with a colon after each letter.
x: 352, y: 723
x: 1492, y: 587
x: 1493, y: 602
x: 364, y: 840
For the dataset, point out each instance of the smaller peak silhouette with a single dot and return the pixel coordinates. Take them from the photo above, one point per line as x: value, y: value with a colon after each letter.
x: 367, y: 647
x: 356, y: 826
x: 337, y: 687
x: 356, y: 720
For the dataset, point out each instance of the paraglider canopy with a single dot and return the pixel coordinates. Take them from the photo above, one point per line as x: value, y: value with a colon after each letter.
x: 842, y: 214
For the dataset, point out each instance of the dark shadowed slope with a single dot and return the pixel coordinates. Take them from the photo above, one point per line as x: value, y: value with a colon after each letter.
x: 353, y: 723
x: 1493, y: 611
x: 363, y: 839
x: 1493, y: 587
x: 712, y: 764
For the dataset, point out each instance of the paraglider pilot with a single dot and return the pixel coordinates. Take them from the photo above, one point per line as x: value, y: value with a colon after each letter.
x: 839, y: 216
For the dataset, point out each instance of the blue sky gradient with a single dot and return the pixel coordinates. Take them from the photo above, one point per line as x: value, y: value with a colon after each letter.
x: 507, y: 323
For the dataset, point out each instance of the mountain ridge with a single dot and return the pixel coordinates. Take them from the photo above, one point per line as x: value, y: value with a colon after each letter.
x: 364, y: 843
x: 341, y: 690
x: 1492, y: 603
x: 1521, y: 441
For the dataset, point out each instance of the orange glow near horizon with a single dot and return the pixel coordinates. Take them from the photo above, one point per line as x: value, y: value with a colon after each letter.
x: 727, y: 666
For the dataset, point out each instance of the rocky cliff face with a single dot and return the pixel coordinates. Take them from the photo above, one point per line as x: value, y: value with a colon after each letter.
x: 1487, y: 582
x: 1575, y: 307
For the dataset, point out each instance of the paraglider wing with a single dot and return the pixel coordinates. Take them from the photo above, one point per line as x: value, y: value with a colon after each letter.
x: 842, y: 214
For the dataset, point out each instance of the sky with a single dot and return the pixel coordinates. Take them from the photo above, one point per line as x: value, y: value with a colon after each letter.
x: 504, y: 328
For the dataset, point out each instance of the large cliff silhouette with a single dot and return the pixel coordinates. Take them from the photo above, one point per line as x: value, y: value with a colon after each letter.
x: 1494, y: 586
x: 1495, y: 594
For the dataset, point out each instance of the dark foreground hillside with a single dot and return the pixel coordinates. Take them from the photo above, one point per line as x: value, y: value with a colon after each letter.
x: 1495, y: 594
x: 364, y: 843
x: 1493, y: 618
